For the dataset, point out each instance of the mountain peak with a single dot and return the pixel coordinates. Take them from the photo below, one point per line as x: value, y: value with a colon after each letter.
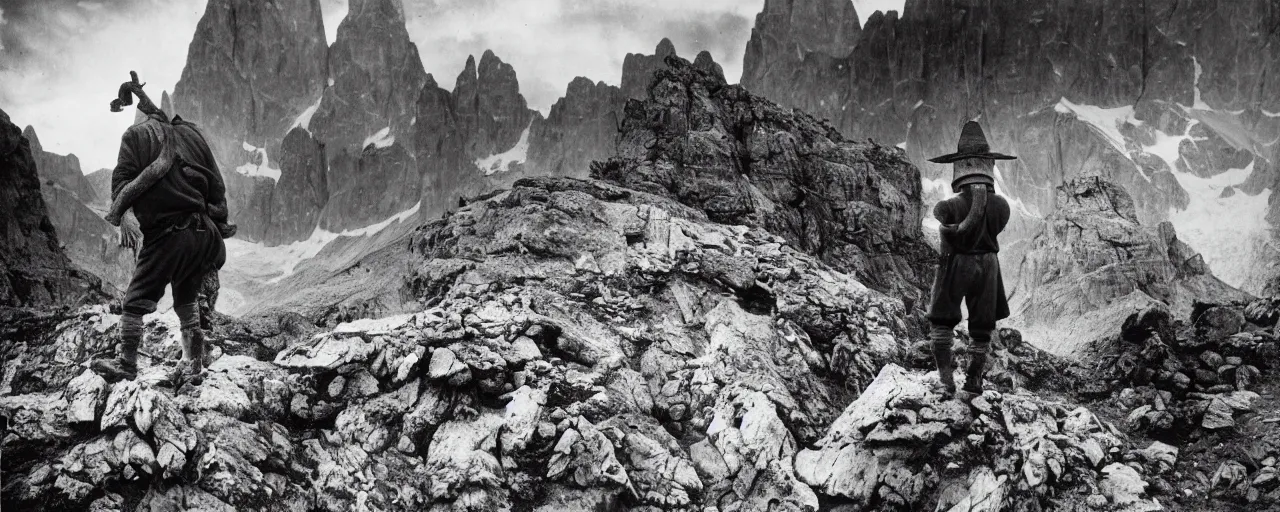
x: 30, y: 133
x: 665, y: 48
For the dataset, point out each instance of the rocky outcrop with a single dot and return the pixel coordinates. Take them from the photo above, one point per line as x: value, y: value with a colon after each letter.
x: 489, y: 108
x: 90, y: 242
x: 36, y: 270
x: 638, y: 69
x: 581, y: 128
x: 377, y: 75
x: 744, y: 160
x: 1094, y: 264
x: 60, y: 171
x: 900, y: 447
x: 579, y: 386
x: 303, y: 190
x: 369, y: 186
x: 1168, y: 101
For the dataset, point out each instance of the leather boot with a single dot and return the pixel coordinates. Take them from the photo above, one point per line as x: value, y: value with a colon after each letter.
x: 189, y: 370
x: 942, y: 339
x: 973, y: 375
x: 124, y: 366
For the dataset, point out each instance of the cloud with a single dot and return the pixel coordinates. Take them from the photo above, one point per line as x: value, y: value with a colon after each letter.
x: 62, y: 61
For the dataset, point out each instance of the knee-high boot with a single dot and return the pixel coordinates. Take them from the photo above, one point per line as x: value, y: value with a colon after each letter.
x: 191, y: 368
x: 125, y: 365
x: 942, y: 338
x: 977, y: 360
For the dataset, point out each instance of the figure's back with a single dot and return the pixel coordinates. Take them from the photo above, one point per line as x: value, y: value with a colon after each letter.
x: 953, y: 210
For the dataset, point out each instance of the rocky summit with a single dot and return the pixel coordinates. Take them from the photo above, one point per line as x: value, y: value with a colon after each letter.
x: 1093, y: 264
x: 745, y: 160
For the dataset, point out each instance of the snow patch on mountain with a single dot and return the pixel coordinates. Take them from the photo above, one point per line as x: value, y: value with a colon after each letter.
x: 304, y: 119
x: 501, y: 162
x: 1230, y: 232
x: 274, y: 263
x: 1106, y: 121
x: 1198, y: 103
x: 381, y: 139
x: 262, y: 168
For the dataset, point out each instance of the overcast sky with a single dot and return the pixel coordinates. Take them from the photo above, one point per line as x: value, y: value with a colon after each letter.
x: 62, y: 60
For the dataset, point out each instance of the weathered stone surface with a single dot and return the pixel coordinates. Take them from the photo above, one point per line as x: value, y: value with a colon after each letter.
x: 36, y: 268
x: 1093, y: 265
x: 758, y: 164
x: 90, y: 242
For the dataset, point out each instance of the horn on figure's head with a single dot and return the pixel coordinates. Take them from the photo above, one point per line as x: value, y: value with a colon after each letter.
x: 124, y: 97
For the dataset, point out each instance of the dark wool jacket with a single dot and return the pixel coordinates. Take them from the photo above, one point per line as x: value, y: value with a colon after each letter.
x: 181, y: 191
x: 953, y: 211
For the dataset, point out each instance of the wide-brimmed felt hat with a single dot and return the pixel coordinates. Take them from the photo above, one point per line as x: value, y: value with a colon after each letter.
x: 972, y: 144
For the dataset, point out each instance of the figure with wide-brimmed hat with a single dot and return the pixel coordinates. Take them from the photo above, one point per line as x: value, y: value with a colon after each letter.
x: 968, y: 267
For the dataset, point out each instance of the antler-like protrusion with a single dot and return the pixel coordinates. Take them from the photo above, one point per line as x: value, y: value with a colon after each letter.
x: 124, y: 97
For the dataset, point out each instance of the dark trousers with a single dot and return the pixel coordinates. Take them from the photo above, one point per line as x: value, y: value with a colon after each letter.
x: 181, y: 254
x: 976, y: 280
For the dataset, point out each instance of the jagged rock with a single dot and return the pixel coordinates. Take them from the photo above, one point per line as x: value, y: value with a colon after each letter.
x: 638, y: 69
x: 36, y: 269
x: 580, y: 129
x: 785, y: 35
x: 489, y: 107
x: 377, y: 76
x: 742, y: 150
x: 1093, y: 265
x: 86, y: 395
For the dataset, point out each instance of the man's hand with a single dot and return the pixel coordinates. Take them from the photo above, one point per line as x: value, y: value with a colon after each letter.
x: 130, y: 231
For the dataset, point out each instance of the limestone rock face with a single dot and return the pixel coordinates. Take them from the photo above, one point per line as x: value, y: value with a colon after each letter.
x: 1166, y: 100
x: 1093, y: 265
x: 742, y: 159
x: 252, y: 69
x: 791, y: 42
x: 61, y: 171
x: 87, y: 239
x: 303, y: 190
x: 36, y: 271
x: 489, y: 106
x: 369, y: 186
x: 580, y: 129
x: 440, y: 144
x: 638, y: 69
x: 377, y: 76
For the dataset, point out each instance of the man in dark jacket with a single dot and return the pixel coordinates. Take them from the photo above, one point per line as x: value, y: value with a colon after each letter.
x: 176, y: 201
x: 968, y: 267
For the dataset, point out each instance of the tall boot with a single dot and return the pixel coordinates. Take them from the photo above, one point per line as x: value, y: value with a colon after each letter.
x: 978, y: 349
x: 125, y: 365
x: 190, y: 369
x: 973, y: 374
x: 942, y: 339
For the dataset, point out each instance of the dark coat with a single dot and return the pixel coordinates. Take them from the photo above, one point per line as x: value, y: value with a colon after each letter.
x: 969, y: 266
